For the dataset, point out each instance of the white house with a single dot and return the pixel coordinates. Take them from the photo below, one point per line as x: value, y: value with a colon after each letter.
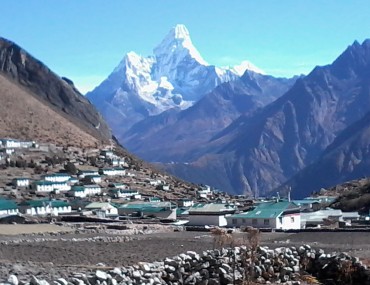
x: 48, y: 186
x: 154, y: 182
x: 107, y: 153
x: 10, y: 143
x: 8, y: 207
x: 282, y: 215
x: 57, y: 177
x: 113, y: 171
x: 116, y: 161
x: 104, y: 208
x: 210, y: 214
x: 84, y: 173
x: 45, y: 207
x: 204, y: 191
x: 184, y: 202
x: 21, y: 182
x: 84, y: 191
x: 125, y: 193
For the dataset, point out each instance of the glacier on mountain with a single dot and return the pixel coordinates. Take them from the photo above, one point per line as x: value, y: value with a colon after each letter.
x: 175, y: 76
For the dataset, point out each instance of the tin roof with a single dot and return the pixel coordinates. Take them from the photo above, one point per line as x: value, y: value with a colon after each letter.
x: 211, y: 208
x: 267, y: 210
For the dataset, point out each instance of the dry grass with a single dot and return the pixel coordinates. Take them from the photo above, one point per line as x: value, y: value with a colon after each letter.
x: 25, y: 117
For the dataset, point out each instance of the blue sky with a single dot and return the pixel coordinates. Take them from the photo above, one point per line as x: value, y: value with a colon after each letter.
x: 84, y: 40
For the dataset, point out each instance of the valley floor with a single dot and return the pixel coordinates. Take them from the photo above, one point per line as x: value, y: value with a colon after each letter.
x: 51, y: 256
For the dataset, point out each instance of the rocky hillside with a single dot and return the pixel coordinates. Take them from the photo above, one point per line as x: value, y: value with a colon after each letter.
x: 345, y: 159
x: 38, y: 104
x: 183, y: 135
x: 257, y: 154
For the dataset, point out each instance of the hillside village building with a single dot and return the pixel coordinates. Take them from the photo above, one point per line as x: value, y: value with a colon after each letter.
x: 125, y: 193
x: 113, y: 171
x: 102, y: 209
x: 205, y: 191
x: 8, y: 207
x: 11, y: 143
x: 93, y: 179
x: 85, y: 191
x: 48, y: 186
x: 57, y: 177
x: 45, y: 207
x: 160, y: 210
x: 210, y: 214
x: 321, y: 217
x: 185, y: 202
x: 281, y: 215
x: 21, y: 182
x: 84, y: 173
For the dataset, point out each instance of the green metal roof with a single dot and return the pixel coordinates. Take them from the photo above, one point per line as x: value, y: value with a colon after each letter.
x: 78, y: 188
x: 8, y: 205
x: 48, y: 183
x: 44, y: 202
x: 266, y: 210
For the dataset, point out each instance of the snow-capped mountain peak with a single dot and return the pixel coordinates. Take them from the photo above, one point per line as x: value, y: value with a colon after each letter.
x: 245, y: 65
x: 177, y: 44
x: 175, y: 76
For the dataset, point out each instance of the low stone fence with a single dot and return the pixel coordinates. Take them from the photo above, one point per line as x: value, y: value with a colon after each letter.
x: 289, y: 265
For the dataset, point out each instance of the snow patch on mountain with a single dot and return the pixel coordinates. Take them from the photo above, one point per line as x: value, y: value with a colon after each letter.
x: 245, y: 65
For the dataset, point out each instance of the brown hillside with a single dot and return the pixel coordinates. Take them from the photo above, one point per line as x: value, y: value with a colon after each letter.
x: 23, y: 116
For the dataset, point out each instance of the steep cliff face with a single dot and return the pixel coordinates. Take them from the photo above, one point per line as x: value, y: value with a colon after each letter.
x: 39, y: 81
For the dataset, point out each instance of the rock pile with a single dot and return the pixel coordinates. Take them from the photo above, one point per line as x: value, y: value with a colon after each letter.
x: 107, y: 239
x: 226, y: 266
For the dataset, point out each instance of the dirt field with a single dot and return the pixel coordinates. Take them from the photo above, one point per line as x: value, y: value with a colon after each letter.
x: 31, y: 229
x: 57, y: 258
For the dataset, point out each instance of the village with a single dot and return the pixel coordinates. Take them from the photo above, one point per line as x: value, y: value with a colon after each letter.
x: 71, y: 184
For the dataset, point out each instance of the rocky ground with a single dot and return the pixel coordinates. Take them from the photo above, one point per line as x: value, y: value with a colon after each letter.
x: 54, y: 255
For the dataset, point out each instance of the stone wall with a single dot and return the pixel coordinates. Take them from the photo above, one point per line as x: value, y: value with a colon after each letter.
x: 289, y: 265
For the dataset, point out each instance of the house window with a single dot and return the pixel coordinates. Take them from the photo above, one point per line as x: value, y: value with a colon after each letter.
x: 243, y: 221
x: 292, y: 219
x: 280, y: 220
x: 235, y: 221
x: 254, y: 222
x: 266, y: 222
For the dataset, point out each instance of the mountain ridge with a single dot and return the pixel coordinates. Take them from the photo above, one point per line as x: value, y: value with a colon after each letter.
x: 176, y: 76
x: 265, y: 150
